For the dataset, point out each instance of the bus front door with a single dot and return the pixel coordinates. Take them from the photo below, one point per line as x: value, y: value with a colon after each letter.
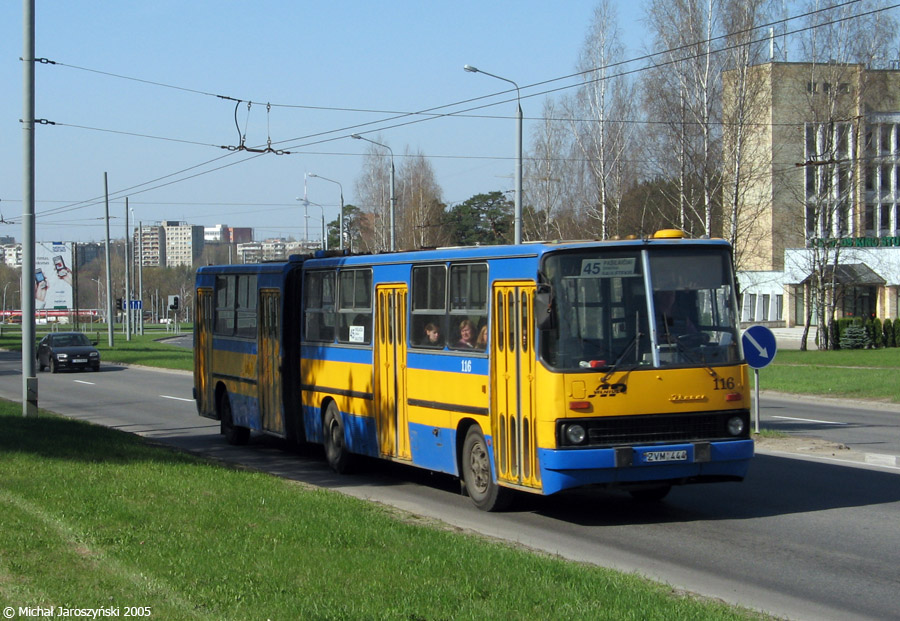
x: 390, y: 371
x: 513, y: 361
x: 269, y: 360
x: 203, y: 358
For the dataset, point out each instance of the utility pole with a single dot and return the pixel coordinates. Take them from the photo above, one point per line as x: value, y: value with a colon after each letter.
x: 26, y: 290
x: 110, y: 316
x: 126, y: 306
x: 141, y: 275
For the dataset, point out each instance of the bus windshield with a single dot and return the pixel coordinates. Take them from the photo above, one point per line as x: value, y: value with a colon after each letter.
x: 603, y: 317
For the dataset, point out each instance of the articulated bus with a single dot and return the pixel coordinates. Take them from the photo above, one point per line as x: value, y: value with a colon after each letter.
x: 537, y: 367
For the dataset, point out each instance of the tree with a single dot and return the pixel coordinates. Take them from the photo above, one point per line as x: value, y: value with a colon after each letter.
x: 420, y: 207
x: 602, y: 111
x: 683, y: 93
x: 373, y: 191
x: 482, y: 219
x: 547, y: 177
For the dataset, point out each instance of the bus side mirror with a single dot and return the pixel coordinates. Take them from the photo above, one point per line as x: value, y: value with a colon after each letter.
x: 544, y: 315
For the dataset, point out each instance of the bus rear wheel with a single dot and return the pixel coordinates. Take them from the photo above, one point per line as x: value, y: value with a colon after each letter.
x: 233, y: 433
x: 336, y: 453
x: 476, y: 471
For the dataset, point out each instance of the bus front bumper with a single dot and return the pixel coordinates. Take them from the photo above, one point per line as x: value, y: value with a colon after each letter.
x: 684, y: 462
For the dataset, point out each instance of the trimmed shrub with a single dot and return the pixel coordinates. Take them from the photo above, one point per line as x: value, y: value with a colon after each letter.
x: 855, y: 337
x: 877, y: 333
x: 888, y: 329
x: 897, y: 332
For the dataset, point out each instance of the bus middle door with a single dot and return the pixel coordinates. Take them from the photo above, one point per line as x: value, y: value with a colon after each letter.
x: 513, y: 361
x: 269, y: 361
x: 391, y: 419
x: 203, y: 352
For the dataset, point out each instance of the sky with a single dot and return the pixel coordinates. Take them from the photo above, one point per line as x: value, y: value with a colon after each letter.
x: 145, y: 93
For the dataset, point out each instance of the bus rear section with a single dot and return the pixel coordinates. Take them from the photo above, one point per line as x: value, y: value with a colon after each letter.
x: 243, y: 360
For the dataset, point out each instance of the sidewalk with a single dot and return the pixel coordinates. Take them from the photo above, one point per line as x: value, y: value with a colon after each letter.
x: 790, y: 338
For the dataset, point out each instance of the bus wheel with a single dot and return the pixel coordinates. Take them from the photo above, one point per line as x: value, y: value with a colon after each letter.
x: 650, y: 494
x: 233, y: 434
x: 476, y: 471
x: 339, y: 458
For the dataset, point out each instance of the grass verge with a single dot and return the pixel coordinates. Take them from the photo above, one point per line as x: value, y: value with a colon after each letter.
x: 93, y: 517
x: 852, y: 374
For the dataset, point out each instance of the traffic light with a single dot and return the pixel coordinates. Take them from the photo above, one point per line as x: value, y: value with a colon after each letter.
x: 118, y: 304
x: 174, y: 301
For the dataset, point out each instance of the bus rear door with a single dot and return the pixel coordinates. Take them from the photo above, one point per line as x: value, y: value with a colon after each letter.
x: 391, y: 417
x: 269, y: 361
x: 205, y: 315
x: 513, y: 372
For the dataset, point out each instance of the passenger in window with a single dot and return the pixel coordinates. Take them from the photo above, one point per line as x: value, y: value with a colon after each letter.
x: 466, y: 334
x: 481, y: 341
x: 433, y: 335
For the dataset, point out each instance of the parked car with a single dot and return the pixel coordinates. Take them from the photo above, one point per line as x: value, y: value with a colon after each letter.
x: 67, y: 350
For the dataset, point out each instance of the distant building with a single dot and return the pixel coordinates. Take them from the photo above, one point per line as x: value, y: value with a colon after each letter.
x: 183, y: 243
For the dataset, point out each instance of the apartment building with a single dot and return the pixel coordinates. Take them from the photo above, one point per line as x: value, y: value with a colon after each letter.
x: 821, y: 169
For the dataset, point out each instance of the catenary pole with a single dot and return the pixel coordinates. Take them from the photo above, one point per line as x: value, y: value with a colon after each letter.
x: 27, y: 288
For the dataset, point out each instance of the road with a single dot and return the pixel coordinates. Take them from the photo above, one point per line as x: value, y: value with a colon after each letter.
x: 800, y: 538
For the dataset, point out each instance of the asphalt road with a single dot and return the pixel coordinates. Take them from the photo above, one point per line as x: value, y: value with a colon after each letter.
x: 801, y: 538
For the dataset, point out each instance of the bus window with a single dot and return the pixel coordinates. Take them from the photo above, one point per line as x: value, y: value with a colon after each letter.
x: 225, y: 294
x: 319, y: 306
x: 468, y: 303
x: 245, y: 308
x: 429, y: 306
x: 355, y: 308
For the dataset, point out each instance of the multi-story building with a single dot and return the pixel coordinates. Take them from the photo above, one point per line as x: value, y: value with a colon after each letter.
x: 150, y: 245
x: 821, y: 170
x: 183, y: 243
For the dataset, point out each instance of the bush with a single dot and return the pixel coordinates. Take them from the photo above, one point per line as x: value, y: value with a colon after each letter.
x: 855, y: 337
x: 897, y: 332
x: 888, y: 329
x: 877, y: 333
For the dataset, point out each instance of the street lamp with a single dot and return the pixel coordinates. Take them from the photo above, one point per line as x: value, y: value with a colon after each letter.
x: 393, y: 200
x: 306, y: 204
x: 518, y: 204
x: 341, y: 225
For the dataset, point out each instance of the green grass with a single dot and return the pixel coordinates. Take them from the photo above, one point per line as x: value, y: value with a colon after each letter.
x: 872, y: 374
x: 95, y: 517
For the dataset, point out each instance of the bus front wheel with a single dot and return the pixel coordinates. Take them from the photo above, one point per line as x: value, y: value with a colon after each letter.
x: 233, y: 434
x: 476, y: 471
x: 336, y: 453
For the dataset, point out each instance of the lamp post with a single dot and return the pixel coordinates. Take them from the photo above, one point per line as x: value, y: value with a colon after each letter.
x: 341, y: 220
x: 393, y: 200
x: 517, y: 218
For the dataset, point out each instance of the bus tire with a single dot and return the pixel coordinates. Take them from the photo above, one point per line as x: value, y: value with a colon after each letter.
x: 234, y: 434
x: 336, y: 453
x: 650, y: 494
x: 477, y: 477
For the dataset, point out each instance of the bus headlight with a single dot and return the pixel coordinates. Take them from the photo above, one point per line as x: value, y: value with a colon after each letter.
x: 736, y: 425
x: 575, y: 434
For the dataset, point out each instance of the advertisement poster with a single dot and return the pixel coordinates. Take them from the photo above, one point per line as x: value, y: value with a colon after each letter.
x: 53, y: 275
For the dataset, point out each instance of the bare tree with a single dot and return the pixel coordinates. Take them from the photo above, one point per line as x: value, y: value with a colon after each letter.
x: 547, y: 176
x: 420, y: 208
x: 683, y: 91
x: 373, y: 193
x: 601, y: 113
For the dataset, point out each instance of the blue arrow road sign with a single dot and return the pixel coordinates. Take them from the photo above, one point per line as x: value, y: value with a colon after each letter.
x: 759, y: 346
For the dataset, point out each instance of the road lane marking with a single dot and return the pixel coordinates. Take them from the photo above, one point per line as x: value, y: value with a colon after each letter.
x: 810, y: 420
x: 84, y: 382
x: 175, y: 398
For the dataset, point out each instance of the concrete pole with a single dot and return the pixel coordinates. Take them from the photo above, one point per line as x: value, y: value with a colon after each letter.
x: 126, y: 303
x: 110, y: 311
x: 29, y: 379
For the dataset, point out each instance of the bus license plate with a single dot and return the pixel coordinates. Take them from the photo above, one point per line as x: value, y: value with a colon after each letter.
x: 659, y: 456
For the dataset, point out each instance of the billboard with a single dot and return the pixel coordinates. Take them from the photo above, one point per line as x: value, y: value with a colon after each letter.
x: 53, y: 275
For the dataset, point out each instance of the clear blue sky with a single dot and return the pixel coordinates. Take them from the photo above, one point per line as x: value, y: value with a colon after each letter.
x: 396, y: 55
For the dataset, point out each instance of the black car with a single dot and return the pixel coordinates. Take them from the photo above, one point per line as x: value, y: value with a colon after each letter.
x: 67, y: 350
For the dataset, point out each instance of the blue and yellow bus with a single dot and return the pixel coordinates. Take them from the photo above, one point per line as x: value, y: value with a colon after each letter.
x: 537, y: 367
